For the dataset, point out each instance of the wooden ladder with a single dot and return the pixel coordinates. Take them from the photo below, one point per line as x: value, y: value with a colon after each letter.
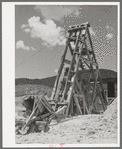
x: 73, y: 91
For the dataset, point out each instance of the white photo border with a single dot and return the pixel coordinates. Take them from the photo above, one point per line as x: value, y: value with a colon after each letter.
x: 8, y: 73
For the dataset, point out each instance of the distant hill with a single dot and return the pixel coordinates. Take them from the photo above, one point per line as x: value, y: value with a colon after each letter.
x: 25, y: 86
x: 31, y: 89
x: 105, y: 74
x: 46, y: 81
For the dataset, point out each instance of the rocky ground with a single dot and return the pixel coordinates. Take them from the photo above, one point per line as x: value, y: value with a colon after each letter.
x: 84, y: 129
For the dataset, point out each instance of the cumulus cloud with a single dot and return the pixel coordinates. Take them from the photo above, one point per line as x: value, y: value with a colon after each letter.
x: 56, y: 12
x: 56, y: 71
x: 92, y: 32
x: 27, y: 30
x: 20, y: 45
x: 109, y: 28
x: 109, y: 36
x: 23, y: 26
x: 48, y: 32
x: 33, y: 48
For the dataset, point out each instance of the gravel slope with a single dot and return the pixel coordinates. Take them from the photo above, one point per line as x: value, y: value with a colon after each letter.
x: 84, y: 129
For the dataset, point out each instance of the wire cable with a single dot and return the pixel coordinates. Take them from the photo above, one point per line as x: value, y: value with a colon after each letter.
x: 36, y: 53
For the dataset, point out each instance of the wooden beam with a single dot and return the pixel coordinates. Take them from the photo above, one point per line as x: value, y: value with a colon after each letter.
x: 84, y: 102
x: 94, y: 90
x: 30, y: 117
x: 77, y: 104
x: 101, y: 98
x: 91, y: 45
x: 71, y: 50
x: 72, y: 63
x: 69, y: 98
x: 60, y: 69
x: 71, y: 106
x: 59, y: 103
x: 75, y: 29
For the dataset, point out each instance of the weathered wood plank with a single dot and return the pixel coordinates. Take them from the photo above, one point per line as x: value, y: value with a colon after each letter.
x: 77, y: 104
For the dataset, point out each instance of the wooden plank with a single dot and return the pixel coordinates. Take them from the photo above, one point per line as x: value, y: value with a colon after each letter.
x: 69, y: 99
x: 87, y: 64
x: 60, y: 69
x: 79, y: 95
x: 32, y: 114
x: 101, y: 98
x: 77, y: 28
x: 40, y: 117
x: 40, y: 122
x: 59, y: 87
x: 50, y: 110
x: 58, y: 111
x: 94, y: 90
x: 67, y: 61
x: 71, y: 106
x: 89, y: 61
x: 81, y: 25
x: 91, y: 44
x: 59, y: 103
x: 104, y: 96
x: 84, y: 103
x: 71, y: 50
x: 72, y: 62
x: 77, y: 104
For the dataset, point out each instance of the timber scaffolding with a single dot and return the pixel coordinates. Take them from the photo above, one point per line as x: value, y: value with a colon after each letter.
x: 71, y: 89
x: 73, y: 95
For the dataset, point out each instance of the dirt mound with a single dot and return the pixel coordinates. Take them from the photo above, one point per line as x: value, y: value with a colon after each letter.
x: 111, y: 112
x: 88, y: 129
x: 111, y: 116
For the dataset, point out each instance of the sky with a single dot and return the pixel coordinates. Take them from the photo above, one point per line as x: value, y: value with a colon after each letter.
x: 40, y: 35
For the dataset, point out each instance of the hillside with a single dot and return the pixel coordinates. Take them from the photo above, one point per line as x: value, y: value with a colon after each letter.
x: 31, y: 89
x: 25, y: 86
x: 105, y: 74
x: 46, y: 81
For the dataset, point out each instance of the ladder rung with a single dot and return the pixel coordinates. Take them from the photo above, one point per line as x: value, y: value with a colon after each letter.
x: 70, y: 81
x: 59, y: 103
x: 79, y: 95
x: 89, y: 61
x: 95, y: 64
x: 77, y: 53
x: 72, y: 71
x: 77, y: 28
x: 65, y: 77
x: 81, y: 25
x: 67, y: 61
x: 72, y: 38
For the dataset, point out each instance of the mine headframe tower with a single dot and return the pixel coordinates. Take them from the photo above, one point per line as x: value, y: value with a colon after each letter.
x: 79, y: 85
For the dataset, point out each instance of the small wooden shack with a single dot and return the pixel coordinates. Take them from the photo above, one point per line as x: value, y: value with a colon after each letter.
x: 109, y: 78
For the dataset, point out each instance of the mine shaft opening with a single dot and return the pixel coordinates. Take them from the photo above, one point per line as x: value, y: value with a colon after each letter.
x: 111, y: 89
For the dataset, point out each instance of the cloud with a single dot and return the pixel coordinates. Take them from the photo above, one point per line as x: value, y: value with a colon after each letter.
x: 23, y: 26
x: 49, y: 32
x: 92, y: 32
x: 56, y: 12
x: 33, y: 48
x: 56, y: 71
x: 27, y: 30
x: 109, y: 36
x: 109, y: 28
x: 20, y: 45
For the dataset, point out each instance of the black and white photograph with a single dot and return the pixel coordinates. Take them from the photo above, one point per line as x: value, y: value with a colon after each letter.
x: 62, y: 63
